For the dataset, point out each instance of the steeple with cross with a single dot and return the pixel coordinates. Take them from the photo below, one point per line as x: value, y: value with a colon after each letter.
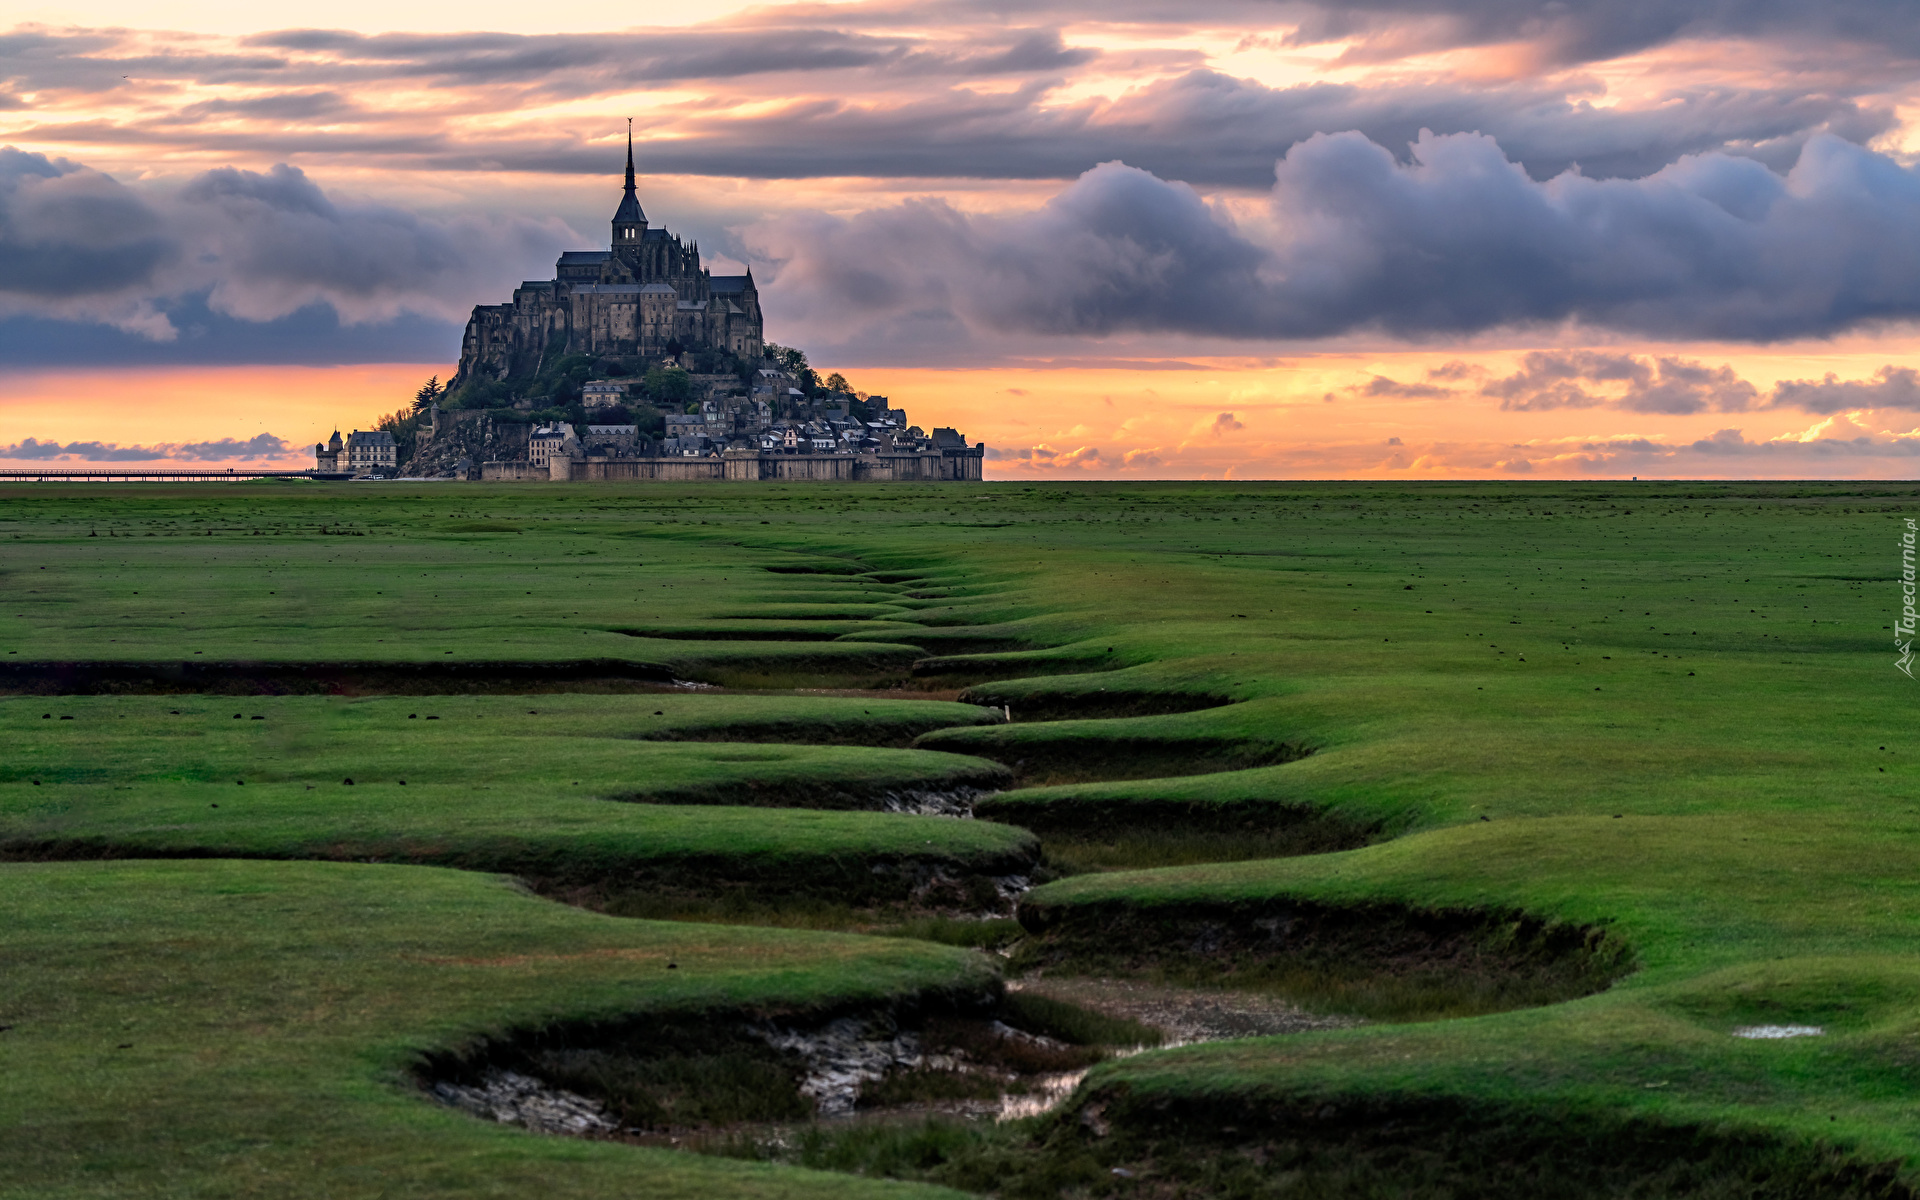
x: 629, y: 222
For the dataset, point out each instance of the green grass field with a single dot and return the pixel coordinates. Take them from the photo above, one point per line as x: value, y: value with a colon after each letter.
x: 570, y: 792
x: 1559, y: 783
x: 235, y: 1028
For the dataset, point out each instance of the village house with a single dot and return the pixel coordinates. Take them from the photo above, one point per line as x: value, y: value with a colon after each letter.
x: 603, y: 393
x: 546, y: 441
x: 363, y: 453
x: 372, y: 450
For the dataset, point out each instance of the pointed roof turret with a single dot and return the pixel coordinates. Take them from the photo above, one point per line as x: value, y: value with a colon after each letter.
x: 629, y: 211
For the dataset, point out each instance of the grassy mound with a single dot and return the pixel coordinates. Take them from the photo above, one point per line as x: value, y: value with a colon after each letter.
x: 1219, y: 739
x: 620, y: 856
x: 775, y: 631
x: 264, y: 1038
x: 1057, y: 698
x: 1097, y: 827
x: 528, y: 787
x: 1379, y: 960
x: 1814, y: 940
x: 962, y: 670
x: 606, y: 744
x: 1259, y: 1147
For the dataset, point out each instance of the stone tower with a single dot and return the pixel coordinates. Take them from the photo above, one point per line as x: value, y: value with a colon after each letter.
x: 645, y: 296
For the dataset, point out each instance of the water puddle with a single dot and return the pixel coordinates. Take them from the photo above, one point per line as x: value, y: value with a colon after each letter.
x: 1773, y: 1032
x: 931, y: 802
x: 874, y: 1068
x: 847, y: 1055
x: 1185, y: 1015
x: 1043, y: 1095
x: 515, y: 1099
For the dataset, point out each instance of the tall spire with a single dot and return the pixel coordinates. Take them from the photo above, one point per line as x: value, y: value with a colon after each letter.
x: 629, y: 222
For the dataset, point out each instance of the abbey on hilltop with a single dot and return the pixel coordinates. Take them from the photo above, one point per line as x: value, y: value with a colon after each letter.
x: 637, y: 363
x: 645, y: 299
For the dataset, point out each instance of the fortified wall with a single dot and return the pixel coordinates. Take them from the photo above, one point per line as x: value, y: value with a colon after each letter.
x: 936, y: 466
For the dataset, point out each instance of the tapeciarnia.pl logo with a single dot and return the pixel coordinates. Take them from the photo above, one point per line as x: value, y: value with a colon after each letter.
x: 1903, y: 628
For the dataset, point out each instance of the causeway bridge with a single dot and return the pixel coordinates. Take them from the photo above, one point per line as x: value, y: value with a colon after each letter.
x: 137, y: 474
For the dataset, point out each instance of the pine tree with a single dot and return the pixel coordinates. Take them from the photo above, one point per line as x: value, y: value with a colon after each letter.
x: 429, y: 392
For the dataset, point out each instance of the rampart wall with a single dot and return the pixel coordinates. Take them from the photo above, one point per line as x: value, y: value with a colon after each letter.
x: 931, y: 466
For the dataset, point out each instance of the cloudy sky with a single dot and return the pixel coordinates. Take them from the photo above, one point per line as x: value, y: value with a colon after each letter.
x: 1255, y: 238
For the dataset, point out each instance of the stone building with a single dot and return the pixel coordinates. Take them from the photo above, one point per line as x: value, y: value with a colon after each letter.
x: 627, y: 303
x: 326, y: 456
x: 599, y: 439
x: 603, y: 393
x: 371, y: 450
x: 364, y: 452
x: 547, y: 441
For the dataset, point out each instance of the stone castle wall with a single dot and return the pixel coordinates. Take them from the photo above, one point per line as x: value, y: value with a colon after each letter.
x: 748, y: 466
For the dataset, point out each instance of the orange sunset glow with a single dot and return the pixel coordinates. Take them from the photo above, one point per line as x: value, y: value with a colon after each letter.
x: 1220, y: 240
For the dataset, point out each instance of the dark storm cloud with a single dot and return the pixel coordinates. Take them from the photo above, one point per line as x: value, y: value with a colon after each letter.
x: 1550, y: 379
x: 77, y: 245
x: 313, y: 336
x: 1119, y: 249
x: 848, y: 103
x: 1036, y: 50
x: 1209, y: 129
x: 617, y: 60
x: 1586, y: 31
x: 1569, y: 378
x: 1625, y: 454
x: 67, y: 233
x: 286, y: 106
x: 107, y: 61
x: 1380, y: 385
x: 279, y: 243
x: 263, y: 445
x: 1046, y: 458
x: 1565, y: 33
x: 229, y: 265
x: 1892, y: 387
x: 1460, y: 241
x: 111, y: 61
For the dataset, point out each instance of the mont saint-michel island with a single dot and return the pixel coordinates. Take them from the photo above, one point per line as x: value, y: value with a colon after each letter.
x: 637, y: 362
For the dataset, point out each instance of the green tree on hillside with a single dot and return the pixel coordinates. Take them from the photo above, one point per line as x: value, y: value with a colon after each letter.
x: 669, y: 385
x: 788, y: 357
x: 404, y: 425
x: 429, y: 392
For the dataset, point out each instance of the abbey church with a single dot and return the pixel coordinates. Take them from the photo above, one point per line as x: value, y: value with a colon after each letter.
x: 637, y: 363
x: 645, y: 298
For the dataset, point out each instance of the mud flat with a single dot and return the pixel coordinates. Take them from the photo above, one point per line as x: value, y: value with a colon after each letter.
x: 710, y: 1075
x: 1184, y: 1015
